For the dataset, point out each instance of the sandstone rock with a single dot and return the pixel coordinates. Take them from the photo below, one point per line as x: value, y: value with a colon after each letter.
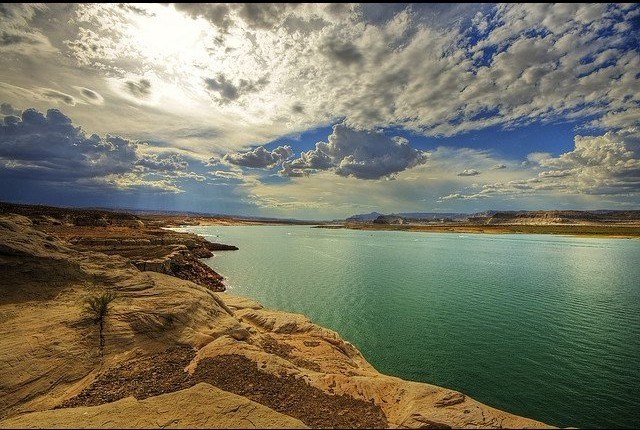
x: 238, y: 302
x: 449, y: 399
x: 220, y: 247
x: 239, y: 333
x: 201, y: 406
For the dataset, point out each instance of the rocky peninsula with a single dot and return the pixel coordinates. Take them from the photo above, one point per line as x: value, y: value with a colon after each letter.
x: 174, y: 349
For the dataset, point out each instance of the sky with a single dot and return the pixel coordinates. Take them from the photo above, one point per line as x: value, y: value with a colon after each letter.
x: 321, y: 111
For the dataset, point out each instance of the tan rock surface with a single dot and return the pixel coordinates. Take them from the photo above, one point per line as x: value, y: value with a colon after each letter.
x: 164, y: 335
x: 200, y: 406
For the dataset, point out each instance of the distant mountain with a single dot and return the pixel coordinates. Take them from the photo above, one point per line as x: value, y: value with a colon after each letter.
x: 364, y: 217
x: 408, y: 215
x: 535, y: 217
x: 556, y: 217
x: 432, y: 215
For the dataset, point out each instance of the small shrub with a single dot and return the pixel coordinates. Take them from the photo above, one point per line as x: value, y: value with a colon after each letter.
x: 98, y: 306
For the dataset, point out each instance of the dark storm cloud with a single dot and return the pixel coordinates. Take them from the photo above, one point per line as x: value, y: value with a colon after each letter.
x: 259, y: 157
x: 51, y: 148
x: 140, y: 89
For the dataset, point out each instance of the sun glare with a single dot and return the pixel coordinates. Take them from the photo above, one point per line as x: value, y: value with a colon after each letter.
x: 168, y: 35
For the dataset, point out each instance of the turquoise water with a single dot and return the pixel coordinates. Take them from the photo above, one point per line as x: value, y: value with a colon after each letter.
x: 542, y: 326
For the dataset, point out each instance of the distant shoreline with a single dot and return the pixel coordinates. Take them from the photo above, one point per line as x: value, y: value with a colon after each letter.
x: 616, y: 231
x: 602, y: 231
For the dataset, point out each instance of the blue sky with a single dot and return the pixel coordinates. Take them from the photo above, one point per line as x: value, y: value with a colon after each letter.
x: 321, y: 111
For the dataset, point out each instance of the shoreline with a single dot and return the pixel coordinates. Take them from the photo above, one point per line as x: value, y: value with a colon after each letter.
x: 601, y: 231
x: 593, y: 231
x: 159, y: 324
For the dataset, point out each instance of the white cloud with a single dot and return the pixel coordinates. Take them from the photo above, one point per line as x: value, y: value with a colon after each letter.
x: 603, y: 165
x: 279, y: 70
x: 469, y: 172
x: 358, y: 153
x: 259, y: 157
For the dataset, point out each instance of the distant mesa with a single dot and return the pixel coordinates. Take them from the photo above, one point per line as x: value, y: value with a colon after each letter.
x: 389, y: 219
x: 364, y: 217
x: 492, y: 217
x: 407, y: 217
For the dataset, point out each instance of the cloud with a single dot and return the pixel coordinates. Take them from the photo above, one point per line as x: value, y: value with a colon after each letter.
x: 458, y: 196
x: 499, y: 167
x: 227, y: 175
x: 163, y: 163
x: 16, y: 33
x: 264, y: 15
x: 424, y: 69
x: 358, y: 153
x: 469, y: 172
x: 217, y: 14
x: 7, y: 109
x: 90, y: 96
x: 259, y: 157
x: 135, y: 9
x: 8, y: 39
x: 608, y: 164
x: 18, y: 14
x: 58, y: 96
x: 227, y: 91
x: 91, y: 48
x: 49, y: 148
x: 254, y: 15
x: 342, y: 51
x: 140, y: 89
x: 297, y: 108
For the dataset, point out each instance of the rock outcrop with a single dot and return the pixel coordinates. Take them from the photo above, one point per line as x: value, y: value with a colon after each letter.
x: 389, y: 219
x: 200, y: 406
x: 178, y: 354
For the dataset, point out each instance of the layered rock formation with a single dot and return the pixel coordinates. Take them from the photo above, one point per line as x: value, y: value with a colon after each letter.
x: 177, y: 354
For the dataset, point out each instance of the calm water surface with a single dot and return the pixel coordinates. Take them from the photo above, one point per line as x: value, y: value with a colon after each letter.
x: 538, y: 325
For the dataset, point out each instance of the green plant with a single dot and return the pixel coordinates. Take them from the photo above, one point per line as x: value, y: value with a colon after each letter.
x: 98, y: 307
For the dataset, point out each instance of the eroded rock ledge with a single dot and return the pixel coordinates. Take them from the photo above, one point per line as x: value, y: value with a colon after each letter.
x: 177, y: 354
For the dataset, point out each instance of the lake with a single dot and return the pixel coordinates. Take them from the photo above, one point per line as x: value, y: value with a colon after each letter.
x: 543, y: 326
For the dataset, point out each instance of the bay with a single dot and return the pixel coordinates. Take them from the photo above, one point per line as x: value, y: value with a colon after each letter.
x: 543, y: 326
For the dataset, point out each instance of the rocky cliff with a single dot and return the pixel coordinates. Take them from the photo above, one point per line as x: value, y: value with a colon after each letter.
x: 178, y: 354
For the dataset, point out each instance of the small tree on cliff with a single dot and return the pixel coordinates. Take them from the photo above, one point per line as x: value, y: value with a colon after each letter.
x: 98, y: 307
